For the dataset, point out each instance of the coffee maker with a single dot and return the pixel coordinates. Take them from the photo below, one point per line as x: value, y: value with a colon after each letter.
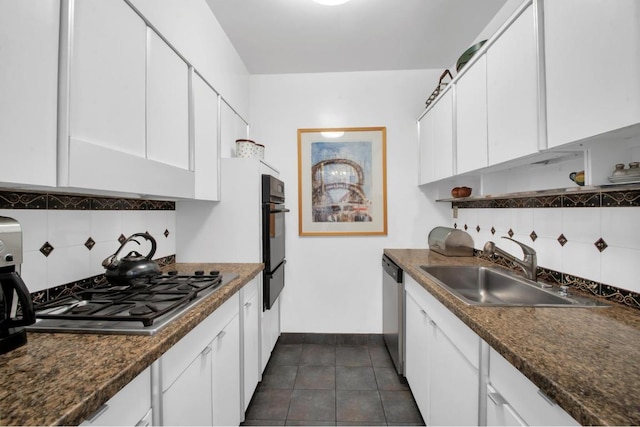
x: 16, y: 307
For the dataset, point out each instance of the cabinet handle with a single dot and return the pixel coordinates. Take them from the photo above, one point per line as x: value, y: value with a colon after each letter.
x: 432, y: 323
x: 546, y: 398
x: 206, y: 351
x: 101, y: 410
x: 145, y: 422
x: 424, y: 313
x: 247, y: 304
x: 497, y: 399
x: 221, y: 334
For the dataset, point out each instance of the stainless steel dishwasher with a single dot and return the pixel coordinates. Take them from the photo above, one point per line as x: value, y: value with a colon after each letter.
x: 393, y: 302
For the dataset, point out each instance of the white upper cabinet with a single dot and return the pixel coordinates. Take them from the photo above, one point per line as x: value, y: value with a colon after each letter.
x: 593, y: 67
x: 123, y: 121
x: 205, y: 135
x: 107, y: 74
x: 167, y: 104
x: 28, y: 88
x: 471, y: 118
x: 437, y: 140
x: 512, y: 91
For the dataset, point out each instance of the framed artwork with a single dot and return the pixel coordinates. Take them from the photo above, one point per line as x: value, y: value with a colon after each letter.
x: 342, y: 183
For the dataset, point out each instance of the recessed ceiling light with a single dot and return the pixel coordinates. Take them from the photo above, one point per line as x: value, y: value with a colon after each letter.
x: 330, y: 2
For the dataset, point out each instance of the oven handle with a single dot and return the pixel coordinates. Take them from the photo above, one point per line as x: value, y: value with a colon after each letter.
x: 269, y: 274
x: 274, y: 211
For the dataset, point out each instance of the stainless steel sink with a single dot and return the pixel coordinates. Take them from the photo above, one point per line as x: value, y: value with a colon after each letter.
x: 488, y: 286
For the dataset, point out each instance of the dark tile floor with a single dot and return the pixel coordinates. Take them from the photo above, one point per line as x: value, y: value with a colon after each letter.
x: 331, y: 379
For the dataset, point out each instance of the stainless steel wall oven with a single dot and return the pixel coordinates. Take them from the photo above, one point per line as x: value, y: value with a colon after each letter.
x: 273, y: 239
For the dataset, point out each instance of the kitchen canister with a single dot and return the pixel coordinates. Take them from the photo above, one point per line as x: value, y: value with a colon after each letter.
x: 259, y: 151
x: 245, y: 148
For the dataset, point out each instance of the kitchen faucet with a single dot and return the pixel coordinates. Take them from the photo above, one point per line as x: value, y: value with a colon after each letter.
x: 529, y: 264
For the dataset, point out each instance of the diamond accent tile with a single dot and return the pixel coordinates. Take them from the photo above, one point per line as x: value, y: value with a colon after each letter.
x: 46, y: 249
x: 601, y: 244
x: 510, y: 233
x: 90, y: 243
x: 478, y: 228
x: 166, y: 233
x: 121, y: 239
x: 533, y: 236
x: 562, y: 240
x: 493, y: 230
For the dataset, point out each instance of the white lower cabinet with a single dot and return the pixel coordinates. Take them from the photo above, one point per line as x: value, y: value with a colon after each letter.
x: 250, y: 299
x: 270, y: 331
x: 418, y: 333
x: 447, y: 367
x: 514, y: 400
x: 200, y: 375
x: 131, y: 406
x: 226, y: 375
x: 188, y: 400
x: 454, y: 384
x: 442, y: 360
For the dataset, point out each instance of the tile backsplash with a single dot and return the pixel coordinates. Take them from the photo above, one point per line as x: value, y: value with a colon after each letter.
x: 591, y: 238
x: 66, y: 237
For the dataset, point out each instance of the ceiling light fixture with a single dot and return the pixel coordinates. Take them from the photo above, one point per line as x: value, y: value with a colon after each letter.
x: 330, y: 2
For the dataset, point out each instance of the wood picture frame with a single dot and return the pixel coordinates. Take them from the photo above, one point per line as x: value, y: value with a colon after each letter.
x: 342, y: 181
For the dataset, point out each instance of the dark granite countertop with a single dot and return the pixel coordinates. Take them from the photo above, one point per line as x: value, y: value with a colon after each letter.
x: 61, y: 379
x: 586, y: 359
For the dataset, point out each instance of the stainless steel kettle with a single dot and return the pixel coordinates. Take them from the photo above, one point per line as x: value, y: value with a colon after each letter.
x: 133, y: 269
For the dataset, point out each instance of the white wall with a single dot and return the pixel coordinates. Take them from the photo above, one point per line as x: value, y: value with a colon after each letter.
x: 333, y: 284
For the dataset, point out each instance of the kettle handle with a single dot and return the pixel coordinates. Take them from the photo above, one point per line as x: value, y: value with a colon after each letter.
x: 148, y: 237
x: 111, y: 261
x: 24, y: 297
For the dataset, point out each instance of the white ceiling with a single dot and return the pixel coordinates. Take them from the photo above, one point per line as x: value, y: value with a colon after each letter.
x: 300, y: 36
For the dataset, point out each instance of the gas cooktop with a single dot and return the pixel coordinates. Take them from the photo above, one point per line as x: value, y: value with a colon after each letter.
x: 140, y: 309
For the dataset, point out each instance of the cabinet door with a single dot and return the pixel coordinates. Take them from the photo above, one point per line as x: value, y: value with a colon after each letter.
x: 471, y: 118
x: 454, y: 383
x: 418, y: 332
x: 107, y: 76
x: 167, y: 104
x: 426, y: 147
x: 251, y: 341
x: 523, y: 396
x: 188, y: 400
x: 436, y: 144
x: 29, y: 85
x: 270, y: 331
x: 130, y: 406
x: 226, y: 375
x: 512, y: 92
x: 592, y: 64
x: 104, y: 146
x: 499, y: 411
x: 206, y: 145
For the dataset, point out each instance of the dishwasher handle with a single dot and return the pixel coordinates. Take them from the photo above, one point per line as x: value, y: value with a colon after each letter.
x: 392, y: 269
